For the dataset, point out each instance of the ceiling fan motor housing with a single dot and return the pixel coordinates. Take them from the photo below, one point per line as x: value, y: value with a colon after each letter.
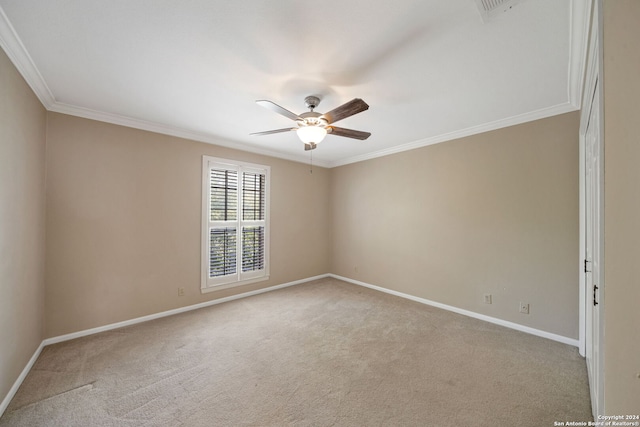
x: 312, y: 118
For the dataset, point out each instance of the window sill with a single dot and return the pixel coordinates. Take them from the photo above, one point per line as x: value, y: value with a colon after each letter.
x: 214, y: 288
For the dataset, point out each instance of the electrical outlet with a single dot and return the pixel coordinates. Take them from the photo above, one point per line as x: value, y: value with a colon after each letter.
x: 487, y: 298
x: 524, y: 308
x: 180, y: 292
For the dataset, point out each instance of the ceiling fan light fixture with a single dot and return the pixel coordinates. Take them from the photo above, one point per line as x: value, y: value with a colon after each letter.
x: 312, y: 127
x: 311, y: 134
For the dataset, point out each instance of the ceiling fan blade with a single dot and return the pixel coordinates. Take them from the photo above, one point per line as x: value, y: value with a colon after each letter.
x: 350, y: 108
x: 309, y: 146
x: 269, y: 132
x: 349, y: 133
x: 277, y: 109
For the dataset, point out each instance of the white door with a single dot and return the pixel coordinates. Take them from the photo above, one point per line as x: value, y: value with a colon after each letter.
x: 593, y: 251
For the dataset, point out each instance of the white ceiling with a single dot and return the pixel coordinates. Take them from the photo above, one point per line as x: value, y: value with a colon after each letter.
x: 431, y: 70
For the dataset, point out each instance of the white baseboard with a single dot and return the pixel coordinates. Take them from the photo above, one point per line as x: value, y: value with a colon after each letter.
x: 74, y: 335
x: 16, y: 385
x: 507, y: 324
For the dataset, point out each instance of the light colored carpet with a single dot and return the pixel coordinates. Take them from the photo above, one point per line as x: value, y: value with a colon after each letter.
x: 325, y: 353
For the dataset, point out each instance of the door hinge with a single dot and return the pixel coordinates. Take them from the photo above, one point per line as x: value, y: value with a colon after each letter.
x: 595, y: 291
x: 586, y: 266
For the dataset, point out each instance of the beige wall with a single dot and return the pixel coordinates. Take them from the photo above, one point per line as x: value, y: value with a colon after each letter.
x: 123, y: 222
x: 22, y: 235
x: 492, y: 213
x: 622, y: 206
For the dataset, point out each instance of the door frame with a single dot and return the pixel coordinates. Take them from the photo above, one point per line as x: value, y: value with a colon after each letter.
x: 594, y: 73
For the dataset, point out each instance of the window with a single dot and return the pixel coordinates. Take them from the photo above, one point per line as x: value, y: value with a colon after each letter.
x: 235, y: 226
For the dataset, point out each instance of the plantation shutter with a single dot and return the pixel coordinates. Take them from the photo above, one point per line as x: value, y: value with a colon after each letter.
x: 236, y: 226
x: 222, y: 252
x: 224, y: 194
x: 253, y: 203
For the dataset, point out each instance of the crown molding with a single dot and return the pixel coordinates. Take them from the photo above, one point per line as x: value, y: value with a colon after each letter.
x: 473, y: 130
x: 116, y: 119
x: 17, y: 53
x: 580, y: 17
x: 580, y: 12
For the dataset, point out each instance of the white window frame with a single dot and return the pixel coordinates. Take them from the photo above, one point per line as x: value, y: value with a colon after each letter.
x: 210, y: 284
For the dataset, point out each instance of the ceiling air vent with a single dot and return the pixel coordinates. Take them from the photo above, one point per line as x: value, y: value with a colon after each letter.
x: 491, y: 8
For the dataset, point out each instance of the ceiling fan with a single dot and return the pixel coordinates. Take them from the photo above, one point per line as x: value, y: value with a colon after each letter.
x: 313, y: 127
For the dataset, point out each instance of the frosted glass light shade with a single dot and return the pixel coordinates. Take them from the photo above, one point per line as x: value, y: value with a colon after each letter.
x: 311, y: 134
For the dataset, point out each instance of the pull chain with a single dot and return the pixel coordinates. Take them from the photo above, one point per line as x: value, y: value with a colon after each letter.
x: 311, y: 162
